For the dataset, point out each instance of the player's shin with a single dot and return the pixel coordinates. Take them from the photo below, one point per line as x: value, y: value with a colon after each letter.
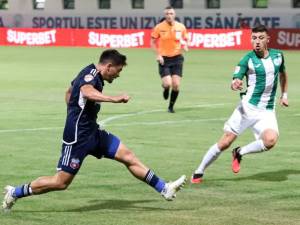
x: 210, y: 156
x: 254, y: 147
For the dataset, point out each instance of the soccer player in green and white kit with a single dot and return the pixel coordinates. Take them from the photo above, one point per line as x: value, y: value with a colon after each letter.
x: 262, y: 67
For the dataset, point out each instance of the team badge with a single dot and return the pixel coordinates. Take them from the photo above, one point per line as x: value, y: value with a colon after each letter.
x: 88, y: 78
x: 75, y: 163
x: 178, y: 35
x: 277, y: 61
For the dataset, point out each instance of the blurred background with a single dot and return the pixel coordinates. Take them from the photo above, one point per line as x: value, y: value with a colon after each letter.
x: 144, y: 13
x: 140, y: 16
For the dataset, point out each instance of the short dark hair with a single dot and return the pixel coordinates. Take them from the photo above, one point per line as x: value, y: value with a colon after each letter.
x: 260, y: 28
x: 114, y: 57
x: 169, y: 7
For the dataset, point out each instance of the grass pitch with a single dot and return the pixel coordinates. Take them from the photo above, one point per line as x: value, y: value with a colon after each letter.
x: 32, y: 115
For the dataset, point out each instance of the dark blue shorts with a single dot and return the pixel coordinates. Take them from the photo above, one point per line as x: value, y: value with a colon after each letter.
x: 100, y: 144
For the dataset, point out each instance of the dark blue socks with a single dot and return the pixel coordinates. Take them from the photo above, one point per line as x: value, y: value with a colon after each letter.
x: 154, y: 181
x: 22, y: 191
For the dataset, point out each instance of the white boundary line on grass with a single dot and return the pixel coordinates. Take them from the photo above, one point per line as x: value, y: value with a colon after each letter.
x: 113, y: 118
x: 166, y: 122
x: 29, y: 129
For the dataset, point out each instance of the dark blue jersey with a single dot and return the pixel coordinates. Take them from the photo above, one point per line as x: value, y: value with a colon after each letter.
x: 81, y: 119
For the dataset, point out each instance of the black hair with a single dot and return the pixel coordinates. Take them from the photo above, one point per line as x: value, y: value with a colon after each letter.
x: 114, y: 57
x: 259, y: 28
x: 169, y: 7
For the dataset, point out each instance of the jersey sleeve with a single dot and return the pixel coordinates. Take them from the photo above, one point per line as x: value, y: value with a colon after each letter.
x: 282, y: 66
x: 241, y: 69
x: 155, y: 32
x: 89, y: 78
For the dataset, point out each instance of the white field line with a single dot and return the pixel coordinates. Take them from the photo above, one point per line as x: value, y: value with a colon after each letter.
x: 109, y: 119
x: 166, y: 122
x: 113, y: 118
x: 30, y: 129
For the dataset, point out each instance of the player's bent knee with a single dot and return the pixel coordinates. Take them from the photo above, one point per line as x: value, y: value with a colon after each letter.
x: 270, y: 139
x: 125, y: 156
x: 226, y: 140
x: 223, y: 145
x: 129, y: 158
x: 166, y: 85
x: 60, y: 185
x: 175, y: 87
x: 62, y: 180
x: 270, y: 142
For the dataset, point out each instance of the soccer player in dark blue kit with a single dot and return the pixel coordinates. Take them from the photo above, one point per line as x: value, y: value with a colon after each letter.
x: 83, y: 136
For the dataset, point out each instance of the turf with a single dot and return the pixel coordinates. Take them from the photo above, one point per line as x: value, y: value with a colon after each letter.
x: 33, y: 82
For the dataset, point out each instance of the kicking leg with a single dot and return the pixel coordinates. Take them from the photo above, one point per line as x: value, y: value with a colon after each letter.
x: 60, y: 181
x: 140, y: 171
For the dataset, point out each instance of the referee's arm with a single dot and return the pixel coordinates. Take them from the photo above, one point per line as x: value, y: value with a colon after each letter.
x: 153, y: 43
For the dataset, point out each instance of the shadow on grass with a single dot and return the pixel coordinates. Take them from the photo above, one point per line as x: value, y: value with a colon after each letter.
x: 275, y: 176
x: 114, y: 204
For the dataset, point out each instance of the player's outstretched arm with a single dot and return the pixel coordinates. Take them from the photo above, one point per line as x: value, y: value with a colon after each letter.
x: 92, y: 94
x: 284, y: 89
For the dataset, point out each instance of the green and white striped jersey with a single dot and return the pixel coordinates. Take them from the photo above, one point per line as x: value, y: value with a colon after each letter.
x: 262, y: 77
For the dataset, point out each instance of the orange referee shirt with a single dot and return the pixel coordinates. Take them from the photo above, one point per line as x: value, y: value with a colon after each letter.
x: 169, y: 38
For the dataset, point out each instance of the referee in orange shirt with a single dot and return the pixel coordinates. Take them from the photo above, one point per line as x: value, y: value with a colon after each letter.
x: 167, y: 39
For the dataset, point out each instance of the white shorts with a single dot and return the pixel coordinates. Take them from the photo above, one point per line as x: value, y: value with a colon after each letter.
x: 247, y: 116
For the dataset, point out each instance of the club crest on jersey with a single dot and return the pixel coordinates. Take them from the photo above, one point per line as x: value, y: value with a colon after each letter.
x: 88, y: 77
x: 277, y: 61
x: 75, y: 163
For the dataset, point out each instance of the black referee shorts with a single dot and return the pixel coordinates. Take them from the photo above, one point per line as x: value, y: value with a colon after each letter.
x: 172, y: 65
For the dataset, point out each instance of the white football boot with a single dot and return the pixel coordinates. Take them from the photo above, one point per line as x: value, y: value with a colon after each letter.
x: 8, y: 200
x: 170, y: 189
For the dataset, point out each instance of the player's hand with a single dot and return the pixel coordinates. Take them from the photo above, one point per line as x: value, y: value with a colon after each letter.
x: 184, y: 45
x: 284, y: 102
x: 237, y: 84
x: 160, y: 60
x: 124, y: 98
